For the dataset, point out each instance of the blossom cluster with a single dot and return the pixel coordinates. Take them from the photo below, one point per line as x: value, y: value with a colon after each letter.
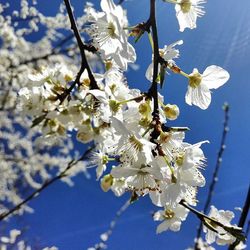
x: 136, y: 149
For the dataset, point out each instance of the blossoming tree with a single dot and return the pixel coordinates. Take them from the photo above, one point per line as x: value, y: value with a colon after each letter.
x: 70, y: 86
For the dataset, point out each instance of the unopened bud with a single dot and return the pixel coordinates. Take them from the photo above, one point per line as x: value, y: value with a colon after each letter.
x: 68, y: 78
x: 84, y: 136
x: 171, y: 111
x: 144, y: 108
x: 106, y: 182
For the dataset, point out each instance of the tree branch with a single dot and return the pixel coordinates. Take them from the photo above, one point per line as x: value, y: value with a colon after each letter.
x: 208, y: 221
x: 216, y: 170
x: 84, y: 64
x: 102, y: 245
x: 153, y: 92
x: 243, y: 218
x: 45, y: 185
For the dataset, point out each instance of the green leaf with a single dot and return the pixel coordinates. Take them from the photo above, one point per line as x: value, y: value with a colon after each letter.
x: 38, y: 120
x: 162, y: 75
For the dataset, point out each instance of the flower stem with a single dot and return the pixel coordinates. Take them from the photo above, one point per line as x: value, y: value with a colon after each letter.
x: 184, y: 74
x: 132, y: 99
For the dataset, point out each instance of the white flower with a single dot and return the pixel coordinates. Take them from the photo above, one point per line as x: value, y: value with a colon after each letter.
x: 132, y: 146
x: 100, y: 160
x: 139, y: 177
x: 183, y: 179
x: 172, y: 217
x: 222, y: 237
x: 187, y: 12
x: 13, y: 236
x: 168, y: 53
x: 109, y: 35
x: 198, y: 92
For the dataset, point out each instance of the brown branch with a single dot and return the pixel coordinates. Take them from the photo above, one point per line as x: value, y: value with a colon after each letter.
x: 153, y: 92
x: 216, y: 169
x: 45, y: 185
x: 102, y: 245
x: 54, y: 51
x: 84, y: 64
x: 208, y: 221
x: 243, y: 218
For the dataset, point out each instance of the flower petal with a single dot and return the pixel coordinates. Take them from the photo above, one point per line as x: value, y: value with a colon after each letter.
x: 214, y: 77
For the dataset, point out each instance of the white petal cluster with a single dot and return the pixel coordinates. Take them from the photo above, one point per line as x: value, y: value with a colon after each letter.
x: 134, y: 151
x: 119, y: 121
x: 222, y: 237
x: 171, y: 217
x: 198, y: 92
x: 168, y: 53
x: 187, y: 12
x: 109, y: 34
x: 26, y: 67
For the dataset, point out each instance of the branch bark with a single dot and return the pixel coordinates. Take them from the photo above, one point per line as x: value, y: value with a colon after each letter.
x: 243, y: 218
x: 216, y: 170
x: 153, y: 91
x: 45, y: 185
x: 84, y: 64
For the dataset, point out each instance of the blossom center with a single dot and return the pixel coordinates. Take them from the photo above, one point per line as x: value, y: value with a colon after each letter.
x: 114, y: 105
x: 180, y: 159
x: 111, y: 30
x: 195, y: 80
x: 169, y: 214
x: 185, y: 6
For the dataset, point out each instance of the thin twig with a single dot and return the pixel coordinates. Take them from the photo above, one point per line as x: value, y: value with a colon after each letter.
x: 153, y: 89
x: 105, y: 236
x: 208, y: 221
x: 216, y: 169
x: 54, y: 51
x: 120, y: 2
x: 45, y: 185
x: 243, y: 218
x: 84, y: 64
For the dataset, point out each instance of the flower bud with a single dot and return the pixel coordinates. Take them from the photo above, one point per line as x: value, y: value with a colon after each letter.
x: 106, y: 182
x: 171, y: 111
x: 144, y: 108
x: 84, y: 137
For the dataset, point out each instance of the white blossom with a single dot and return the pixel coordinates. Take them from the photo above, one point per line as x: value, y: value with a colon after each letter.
x: 172, y: 217
x: 222, y: 237
x: 187, y: 12
x: 198, y: 92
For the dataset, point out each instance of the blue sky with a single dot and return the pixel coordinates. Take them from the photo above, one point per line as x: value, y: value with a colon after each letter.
x: 73, y: 218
